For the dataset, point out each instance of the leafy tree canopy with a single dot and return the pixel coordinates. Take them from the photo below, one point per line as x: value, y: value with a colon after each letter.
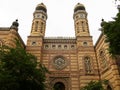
x: 95, y: 85
x: 18, y: 70
x: 112, y: 31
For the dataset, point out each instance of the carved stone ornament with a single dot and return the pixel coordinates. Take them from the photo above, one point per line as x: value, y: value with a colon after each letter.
x: 59, y: 63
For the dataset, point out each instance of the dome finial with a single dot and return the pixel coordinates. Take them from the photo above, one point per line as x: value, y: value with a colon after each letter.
x: 42, y: 7
x: 79, y: 6
x: 102, y: 23
x: 15, y: 24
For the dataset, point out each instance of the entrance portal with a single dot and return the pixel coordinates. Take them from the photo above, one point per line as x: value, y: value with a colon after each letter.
x: 59, y: 86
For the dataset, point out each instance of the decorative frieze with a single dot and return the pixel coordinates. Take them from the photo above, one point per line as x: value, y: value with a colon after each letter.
x: 59, y: 46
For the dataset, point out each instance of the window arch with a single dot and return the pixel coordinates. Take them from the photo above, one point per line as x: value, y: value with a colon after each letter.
x: 109, y: 87
x: 103, y: 61
x: 36, y: 25
x: 87, y: 63
x: 42, y: 27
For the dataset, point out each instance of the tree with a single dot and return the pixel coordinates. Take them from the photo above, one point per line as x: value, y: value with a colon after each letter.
x: 19, y: 70
x: 112, y: 32
x: 95, y: 85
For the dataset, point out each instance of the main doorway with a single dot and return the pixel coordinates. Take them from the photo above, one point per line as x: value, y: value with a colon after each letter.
x: 59, y: 86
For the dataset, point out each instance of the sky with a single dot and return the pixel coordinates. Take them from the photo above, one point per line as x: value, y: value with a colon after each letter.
x: 60, y: 21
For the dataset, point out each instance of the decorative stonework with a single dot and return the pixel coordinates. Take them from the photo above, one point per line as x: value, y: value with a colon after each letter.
x: 59, y: 46
x: 59, y: 63
x: 65, y: 81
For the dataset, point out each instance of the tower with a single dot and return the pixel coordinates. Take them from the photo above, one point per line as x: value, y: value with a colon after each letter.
x: 13, y: 34
x: 35, y: 40
x: 87, y: 62
x: 80, y: 21
x: 39, y: 21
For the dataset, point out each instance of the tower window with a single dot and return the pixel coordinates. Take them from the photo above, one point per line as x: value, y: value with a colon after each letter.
x: 85, y: 43
x: 36, y: 25
x: 76, y: 17
x: 41, y: 23
x: 33, y: 43
x: 59, y: 46
x: 41, y: 27
x: 38, y: 16
x: 43, y: 17
x: 65, y: 46
x: 82, y: 23
x: 72, y: 46
x: 53, y: 46
x: 46, y: 46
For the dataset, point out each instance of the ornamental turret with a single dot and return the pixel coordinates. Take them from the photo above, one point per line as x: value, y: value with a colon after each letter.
x: 39, y: 21
x: 80, y: 20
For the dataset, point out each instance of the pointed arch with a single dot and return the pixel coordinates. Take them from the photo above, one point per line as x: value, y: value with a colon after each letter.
x: 103, y: 61
x: 109, y: 87
x: 36, y: 25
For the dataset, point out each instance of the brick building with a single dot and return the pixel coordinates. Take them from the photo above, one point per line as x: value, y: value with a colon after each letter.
x: 72, y: 61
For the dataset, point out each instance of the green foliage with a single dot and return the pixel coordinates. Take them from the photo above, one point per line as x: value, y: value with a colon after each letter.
x: 93, y: 85
x: 18, y: 70
x: 112, y: 32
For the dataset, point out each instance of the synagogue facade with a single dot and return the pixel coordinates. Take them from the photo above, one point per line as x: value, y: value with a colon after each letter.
x: 72, y: 61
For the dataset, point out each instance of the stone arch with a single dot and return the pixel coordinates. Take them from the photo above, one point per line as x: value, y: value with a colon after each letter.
x: 59, y: 80
x: 59, y: 86
x: 109, y: 87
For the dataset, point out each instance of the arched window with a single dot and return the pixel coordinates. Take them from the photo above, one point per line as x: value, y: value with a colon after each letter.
x: 46, y: 46
x: 36, y: 25
x: 85, y: 43
x: 82, y: 23
x: 65, y: 46
x: 87, y: 63
x: 41, y: 27
x: 59, y: 86
x: 109, y: 87
x: 103, y: 61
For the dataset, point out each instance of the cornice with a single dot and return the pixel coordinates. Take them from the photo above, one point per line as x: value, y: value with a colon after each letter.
x: 4, y: 28
x: 59, y: 40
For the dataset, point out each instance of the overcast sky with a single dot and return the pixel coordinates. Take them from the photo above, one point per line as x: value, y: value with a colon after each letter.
x: 60, y: 15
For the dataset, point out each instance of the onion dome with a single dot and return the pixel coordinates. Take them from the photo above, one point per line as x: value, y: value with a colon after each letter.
x: 102, y: 23
x: 15, y: 24
x: 79, y: 6
x: 42, y: 7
